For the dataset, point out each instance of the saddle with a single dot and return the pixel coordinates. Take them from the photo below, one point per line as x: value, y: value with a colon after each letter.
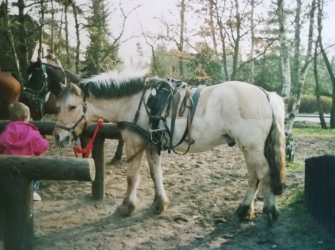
x: 165, y: 96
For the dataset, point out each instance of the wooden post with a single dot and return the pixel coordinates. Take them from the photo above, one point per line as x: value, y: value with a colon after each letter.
x: 98, y: 185
x: 18, y: 214
x: 17, y: 173
x: 47, y: 168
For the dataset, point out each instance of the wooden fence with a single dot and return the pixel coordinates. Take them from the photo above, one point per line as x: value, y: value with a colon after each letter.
x: 320, y: 190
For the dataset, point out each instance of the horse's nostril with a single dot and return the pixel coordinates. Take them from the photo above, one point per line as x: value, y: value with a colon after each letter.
x: 57, y: 137
x: 67, y: 139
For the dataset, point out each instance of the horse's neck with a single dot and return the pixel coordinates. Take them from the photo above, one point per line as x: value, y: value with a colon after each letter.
x: 113, y: 109
x: 72, y: 77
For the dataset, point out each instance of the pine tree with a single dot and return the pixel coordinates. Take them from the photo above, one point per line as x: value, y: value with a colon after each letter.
x: 101, y: 56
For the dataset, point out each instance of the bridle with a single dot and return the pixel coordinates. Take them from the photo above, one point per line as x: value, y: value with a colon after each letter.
x: 72, y: 129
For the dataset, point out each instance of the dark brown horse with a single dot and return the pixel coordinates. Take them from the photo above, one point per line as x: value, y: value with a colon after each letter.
x: 10, y: 89
x: 43, y: 74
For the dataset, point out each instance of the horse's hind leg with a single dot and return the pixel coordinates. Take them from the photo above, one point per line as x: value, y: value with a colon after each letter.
x: 161, y: 201
x: 258, y: 169
x: 246, y: 208
x: 118, y: 154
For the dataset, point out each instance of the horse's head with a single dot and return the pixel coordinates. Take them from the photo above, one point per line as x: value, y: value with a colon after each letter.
x: 42, y: 74
x: 37, y: 76
x: 72, y: 118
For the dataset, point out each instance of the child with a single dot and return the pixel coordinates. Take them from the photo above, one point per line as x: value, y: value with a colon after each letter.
x: 51, y: 59
x: 22, y: 138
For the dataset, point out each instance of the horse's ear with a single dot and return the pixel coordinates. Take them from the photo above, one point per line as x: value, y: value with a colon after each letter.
x: 39, y: 61
x: 62, y: 85
x: 76, y: 89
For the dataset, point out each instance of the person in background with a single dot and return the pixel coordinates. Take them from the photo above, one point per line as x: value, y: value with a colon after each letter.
x: 51, y: 59
x: 22, y: 138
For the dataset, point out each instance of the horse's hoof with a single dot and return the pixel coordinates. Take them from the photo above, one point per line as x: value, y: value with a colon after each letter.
x: 271, y: 215
x: 126, y: 209
x: 115, y: 161
x: 244, y: 212
x: 160, y: 205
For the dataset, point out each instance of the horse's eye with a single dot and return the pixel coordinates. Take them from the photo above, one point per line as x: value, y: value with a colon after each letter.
x: 72, y: 107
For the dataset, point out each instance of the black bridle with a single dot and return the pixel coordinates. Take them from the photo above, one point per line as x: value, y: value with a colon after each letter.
x: 72, y: 129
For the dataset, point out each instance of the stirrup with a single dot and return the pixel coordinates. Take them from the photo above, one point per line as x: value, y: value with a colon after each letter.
x: 152, y: 138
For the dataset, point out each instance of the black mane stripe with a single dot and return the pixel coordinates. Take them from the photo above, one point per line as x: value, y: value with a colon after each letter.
x: 111, y: 87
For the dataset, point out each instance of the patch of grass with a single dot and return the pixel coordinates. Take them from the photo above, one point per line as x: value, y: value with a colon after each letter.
x: 299, y: 224
x: 314, y: 132
x: 295, y: 165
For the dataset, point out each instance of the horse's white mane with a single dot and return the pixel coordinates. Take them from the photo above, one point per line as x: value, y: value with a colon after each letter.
x: 118, y: 77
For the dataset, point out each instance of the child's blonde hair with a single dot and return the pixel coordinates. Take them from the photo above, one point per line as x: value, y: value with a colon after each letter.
x: 18, y: 112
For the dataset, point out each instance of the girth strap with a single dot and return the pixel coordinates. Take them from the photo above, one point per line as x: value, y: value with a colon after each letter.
x: 195, y: 99
x: 139, y: 130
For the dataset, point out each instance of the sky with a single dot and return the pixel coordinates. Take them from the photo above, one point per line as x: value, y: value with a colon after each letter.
x: 145, y: 15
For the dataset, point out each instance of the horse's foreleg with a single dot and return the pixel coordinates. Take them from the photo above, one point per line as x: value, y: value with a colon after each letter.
x: 161, y: 201
x: 118, y: 154
x: 128, y: 205
x: 257, y: 162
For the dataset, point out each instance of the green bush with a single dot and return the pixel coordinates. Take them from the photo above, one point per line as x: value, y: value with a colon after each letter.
x: 308, y: 104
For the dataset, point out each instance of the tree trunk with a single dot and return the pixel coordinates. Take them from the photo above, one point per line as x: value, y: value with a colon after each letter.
x: 11, y: 39
x: 303, y: 71
x: 252, y: 24
x: 67, y: 46
x: 284, y: 51
x: 296, y: 58
x: 326, y: 60
x: 22, y: 47
x: 52, y: 42
x: 317, y: 87
x: 237, y: 41
x: 181, y: 37
x: 75, y: 15
x: 223, y: 40
x: 41, y: 30
x: 212, y: 26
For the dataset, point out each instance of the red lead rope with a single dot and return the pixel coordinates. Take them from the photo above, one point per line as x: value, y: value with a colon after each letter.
x: 89, y: 146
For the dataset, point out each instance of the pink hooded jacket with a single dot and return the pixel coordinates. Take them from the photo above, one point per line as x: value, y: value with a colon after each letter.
x: 21, y: 138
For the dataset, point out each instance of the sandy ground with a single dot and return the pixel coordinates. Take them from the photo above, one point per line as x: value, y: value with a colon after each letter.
x: 204, y: 190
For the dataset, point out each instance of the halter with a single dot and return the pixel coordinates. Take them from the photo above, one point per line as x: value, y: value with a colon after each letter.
x: 72, y: 129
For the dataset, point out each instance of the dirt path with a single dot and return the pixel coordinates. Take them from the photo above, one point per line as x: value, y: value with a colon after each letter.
x: 204, y: 190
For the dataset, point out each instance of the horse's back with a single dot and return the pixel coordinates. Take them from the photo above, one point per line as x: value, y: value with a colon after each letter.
x: 240, y: 110
x: 10, y: 89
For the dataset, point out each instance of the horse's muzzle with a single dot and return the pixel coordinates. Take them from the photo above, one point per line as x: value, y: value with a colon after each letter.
x: 62, y: 139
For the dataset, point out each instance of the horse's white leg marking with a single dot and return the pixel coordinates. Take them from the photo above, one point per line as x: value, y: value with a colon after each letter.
x: 161, y: 201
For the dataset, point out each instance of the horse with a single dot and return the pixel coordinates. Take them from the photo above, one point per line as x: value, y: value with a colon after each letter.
x: 230, y: 113
x: 42, y: 75
x: 10, y: 89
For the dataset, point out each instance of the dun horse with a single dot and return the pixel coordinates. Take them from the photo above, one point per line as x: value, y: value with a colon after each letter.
x: 226, y: 113
x: 10, y: 89
x: 45, y: 80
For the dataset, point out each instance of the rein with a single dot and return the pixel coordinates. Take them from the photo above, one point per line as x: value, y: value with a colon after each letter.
x: 89, y: 146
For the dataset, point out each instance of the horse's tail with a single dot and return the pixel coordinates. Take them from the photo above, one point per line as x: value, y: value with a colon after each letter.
x: 274, y: 148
